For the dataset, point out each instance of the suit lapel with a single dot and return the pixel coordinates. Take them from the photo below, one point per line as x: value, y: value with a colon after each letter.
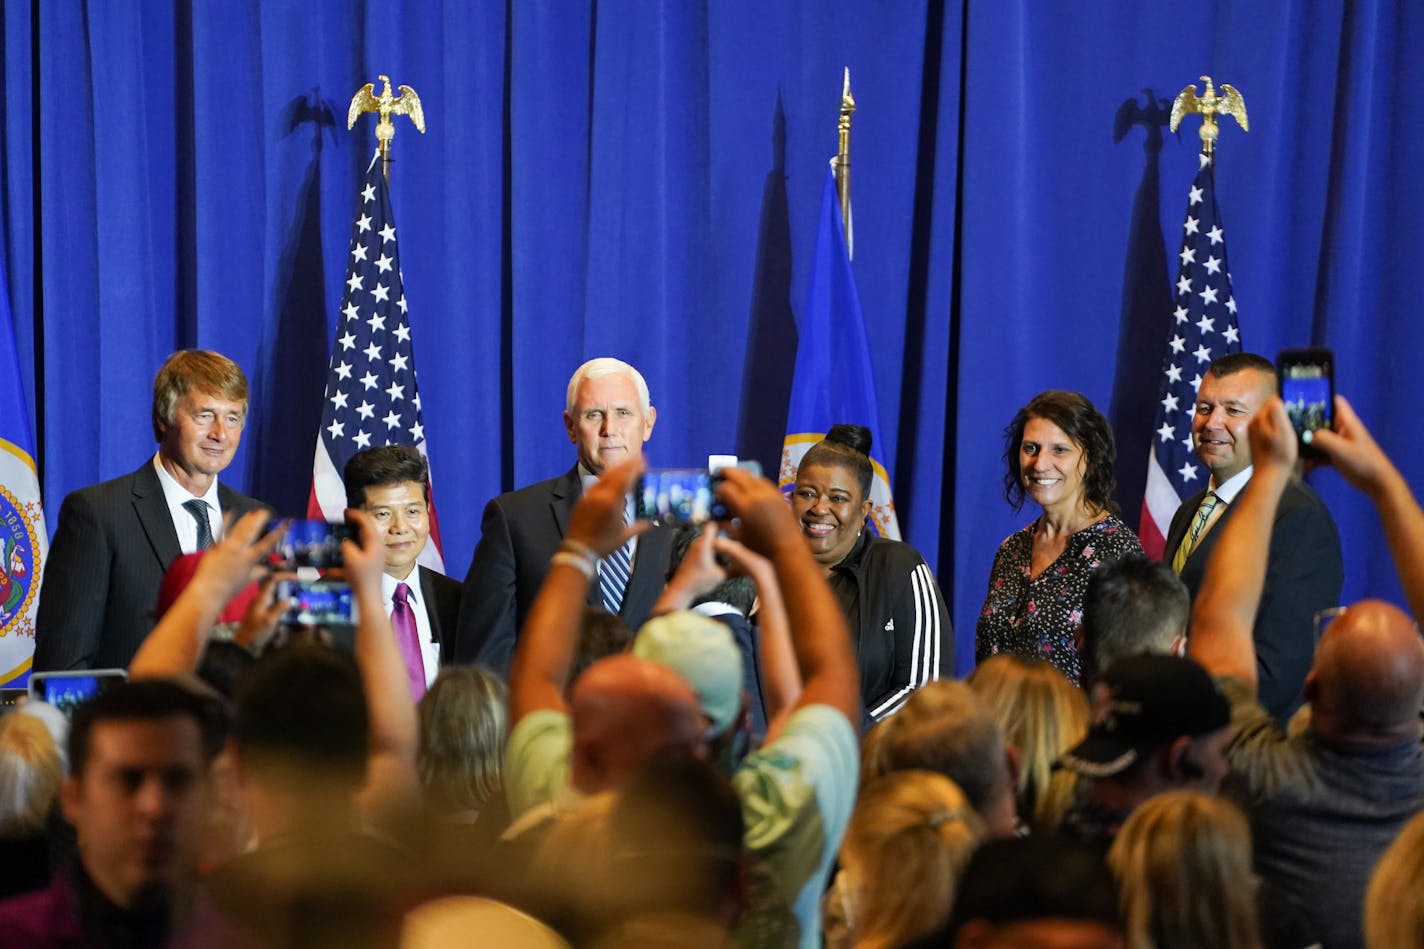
x: 434, y: 607
x: 565, y: 495
x: 152, y: 509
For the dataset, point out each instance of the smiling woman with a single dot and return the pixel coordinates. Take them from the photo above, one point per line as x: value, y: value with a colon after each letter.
x: 892, y: 603
x: 1059, y: 453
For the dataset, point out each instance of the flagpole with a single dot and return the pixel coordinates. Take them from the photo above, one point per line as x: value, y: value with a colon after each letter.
x: 386, y: 104
x: 843, y: 158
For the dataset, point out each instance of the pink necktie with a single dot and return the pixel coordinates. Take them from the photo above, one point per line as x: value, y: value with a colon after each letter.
x: 403, y: 620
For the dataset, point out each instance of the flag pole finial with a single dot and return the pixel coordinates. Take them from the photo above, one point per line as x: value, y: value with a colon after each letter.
x: 1209, y: 105
x: 386, y: 105
x: 843, y: 154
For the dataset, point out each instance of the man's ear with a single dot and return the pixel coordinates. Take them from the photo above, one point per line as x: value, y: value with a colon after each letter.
x: 650, y: 418
x: 69, y: 798
x: 569, y: 428
x: 1177, y: 765
x: 1179, y: 647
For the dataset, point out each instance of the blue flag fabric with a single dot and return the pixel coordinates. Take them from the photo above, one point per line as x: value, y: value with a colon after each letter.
x: 1204, y: 328
x: 833, y: 382
x: 23, y: 539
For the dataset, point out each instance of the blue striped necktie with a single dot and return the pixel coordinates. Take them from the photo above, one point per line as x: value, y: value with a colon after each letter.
x: 614, y: 572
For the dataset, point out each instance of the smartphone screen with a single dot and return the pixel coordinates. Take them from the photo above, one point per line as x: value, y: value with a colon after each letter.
x: 67, y: 690
x: 677, y: 496
x: 1307, y: 380
x: 311, y: 544
x: 318, y: 603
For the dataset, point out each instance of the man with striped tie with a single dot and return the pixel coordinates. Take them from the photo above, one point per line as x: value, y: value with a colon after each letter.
x: 608, y: 415
x: 1305, y: 570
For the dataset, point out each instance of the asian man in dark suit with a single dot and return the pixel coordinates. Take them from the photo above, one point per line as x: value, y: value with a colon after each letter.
x: 392, y: 484
x: 114, y: 540
x: 608, y: 416
x: 1305, y: 571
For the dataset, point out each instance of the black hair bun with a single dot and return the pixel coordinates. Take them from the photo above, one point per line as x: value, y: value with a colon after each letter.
x: 856, y: 437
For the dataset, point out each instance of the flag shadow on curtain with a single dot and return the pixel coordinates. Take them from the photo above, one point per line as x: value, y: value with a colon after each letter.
x: 771, y: 331
x: 1146, y: 309
x: 290, y: 377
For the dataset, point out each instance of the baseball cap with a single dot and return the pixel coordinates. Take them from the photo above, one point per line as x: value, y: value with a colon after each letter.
x: 702, y: 651
x: 1143, y: 703
x: 180, y: 573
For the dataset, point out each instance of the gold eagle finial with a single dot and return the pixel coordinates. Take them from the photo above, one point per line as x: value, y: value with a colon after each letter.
x: 1209, y: 105
x: 386, y: 104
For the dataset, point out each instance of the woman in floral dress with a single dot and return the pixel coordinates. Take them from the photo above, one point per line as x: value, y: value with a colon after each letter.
x: 1059, y: 452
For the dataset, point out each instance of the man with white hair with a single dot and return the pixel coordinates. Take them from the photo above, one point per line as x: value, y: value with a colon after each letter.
x: 608, y: 417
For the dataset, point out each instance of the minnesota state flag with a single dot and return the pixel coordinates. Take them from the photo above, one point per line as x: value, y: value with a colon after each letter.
x: 832, y: 382
x: 23, y: 540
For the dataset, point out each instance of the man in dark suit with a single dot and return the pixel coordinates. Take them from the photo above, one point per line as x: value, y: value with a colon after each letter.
x: 114, y: 540
x: 1305, y: 570
x: 392, y: 484
x: 608, y: 417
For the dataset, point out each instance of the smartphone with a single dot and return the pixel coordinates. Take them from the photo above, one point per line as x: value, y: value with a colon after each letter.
x: 1307, y: 380
x: 678, y: 496
x: 67, y: 690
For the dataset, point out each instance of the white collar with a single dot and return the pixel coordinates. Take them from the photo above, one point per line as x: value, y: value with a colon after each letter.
x: 1232, y: 486
x: 175, y: 494
x: 412, y: 582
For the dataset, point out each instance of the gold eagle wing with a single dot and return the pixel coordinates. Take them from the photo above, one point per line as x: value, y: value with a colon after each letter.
x: 362, y: 101
x: 409, y: 103
x: 1232, y: 104
x: 1185, y: 102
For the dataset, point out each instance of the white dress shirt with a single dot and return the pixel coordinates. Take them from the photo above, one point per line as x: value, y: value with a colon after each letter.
x: 429, y: 649
x: 175, y: 494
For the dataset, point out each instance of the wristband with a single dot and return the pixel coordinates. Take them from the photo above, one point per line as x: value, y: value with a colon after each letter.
x: 580, y: 549
x: 580, y: 563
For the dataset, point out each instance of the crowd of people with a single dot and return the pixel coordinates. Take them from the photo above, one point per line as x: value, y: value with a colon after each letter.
x: 738, y: 733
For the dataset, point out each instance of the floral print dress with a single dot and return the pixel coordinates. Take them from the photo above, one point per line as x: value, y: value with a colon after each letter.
x: 1038, y: 617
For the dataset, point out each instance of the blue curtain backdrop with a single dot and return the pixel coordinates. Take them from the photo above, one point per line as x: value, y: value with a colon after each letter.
x: 641, y: 179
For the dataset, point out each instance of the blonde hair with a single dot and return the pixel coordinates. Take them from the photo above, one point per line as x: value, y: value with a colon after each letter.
x: 30, y: 774
x: 1183, y: 867
x: 908, y: 841
x: 1042, y: 715
x: 200, y: 369
x: 942, y: 727
x: 1394, y: 901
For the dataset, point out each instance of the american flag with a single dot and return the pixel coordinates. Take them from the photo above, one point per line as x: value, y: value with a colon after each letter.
x: 1203, y: 328
x: 371, y: 394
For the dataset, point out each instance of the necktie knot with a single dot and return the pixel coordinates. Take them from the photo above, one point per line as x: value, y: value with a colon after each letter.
x: 402, y: 595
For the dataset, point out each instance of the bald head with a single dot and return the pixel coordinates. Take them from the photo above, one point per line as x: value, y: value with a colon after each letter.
x: 625, y: 712
x: 1367, y: 685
